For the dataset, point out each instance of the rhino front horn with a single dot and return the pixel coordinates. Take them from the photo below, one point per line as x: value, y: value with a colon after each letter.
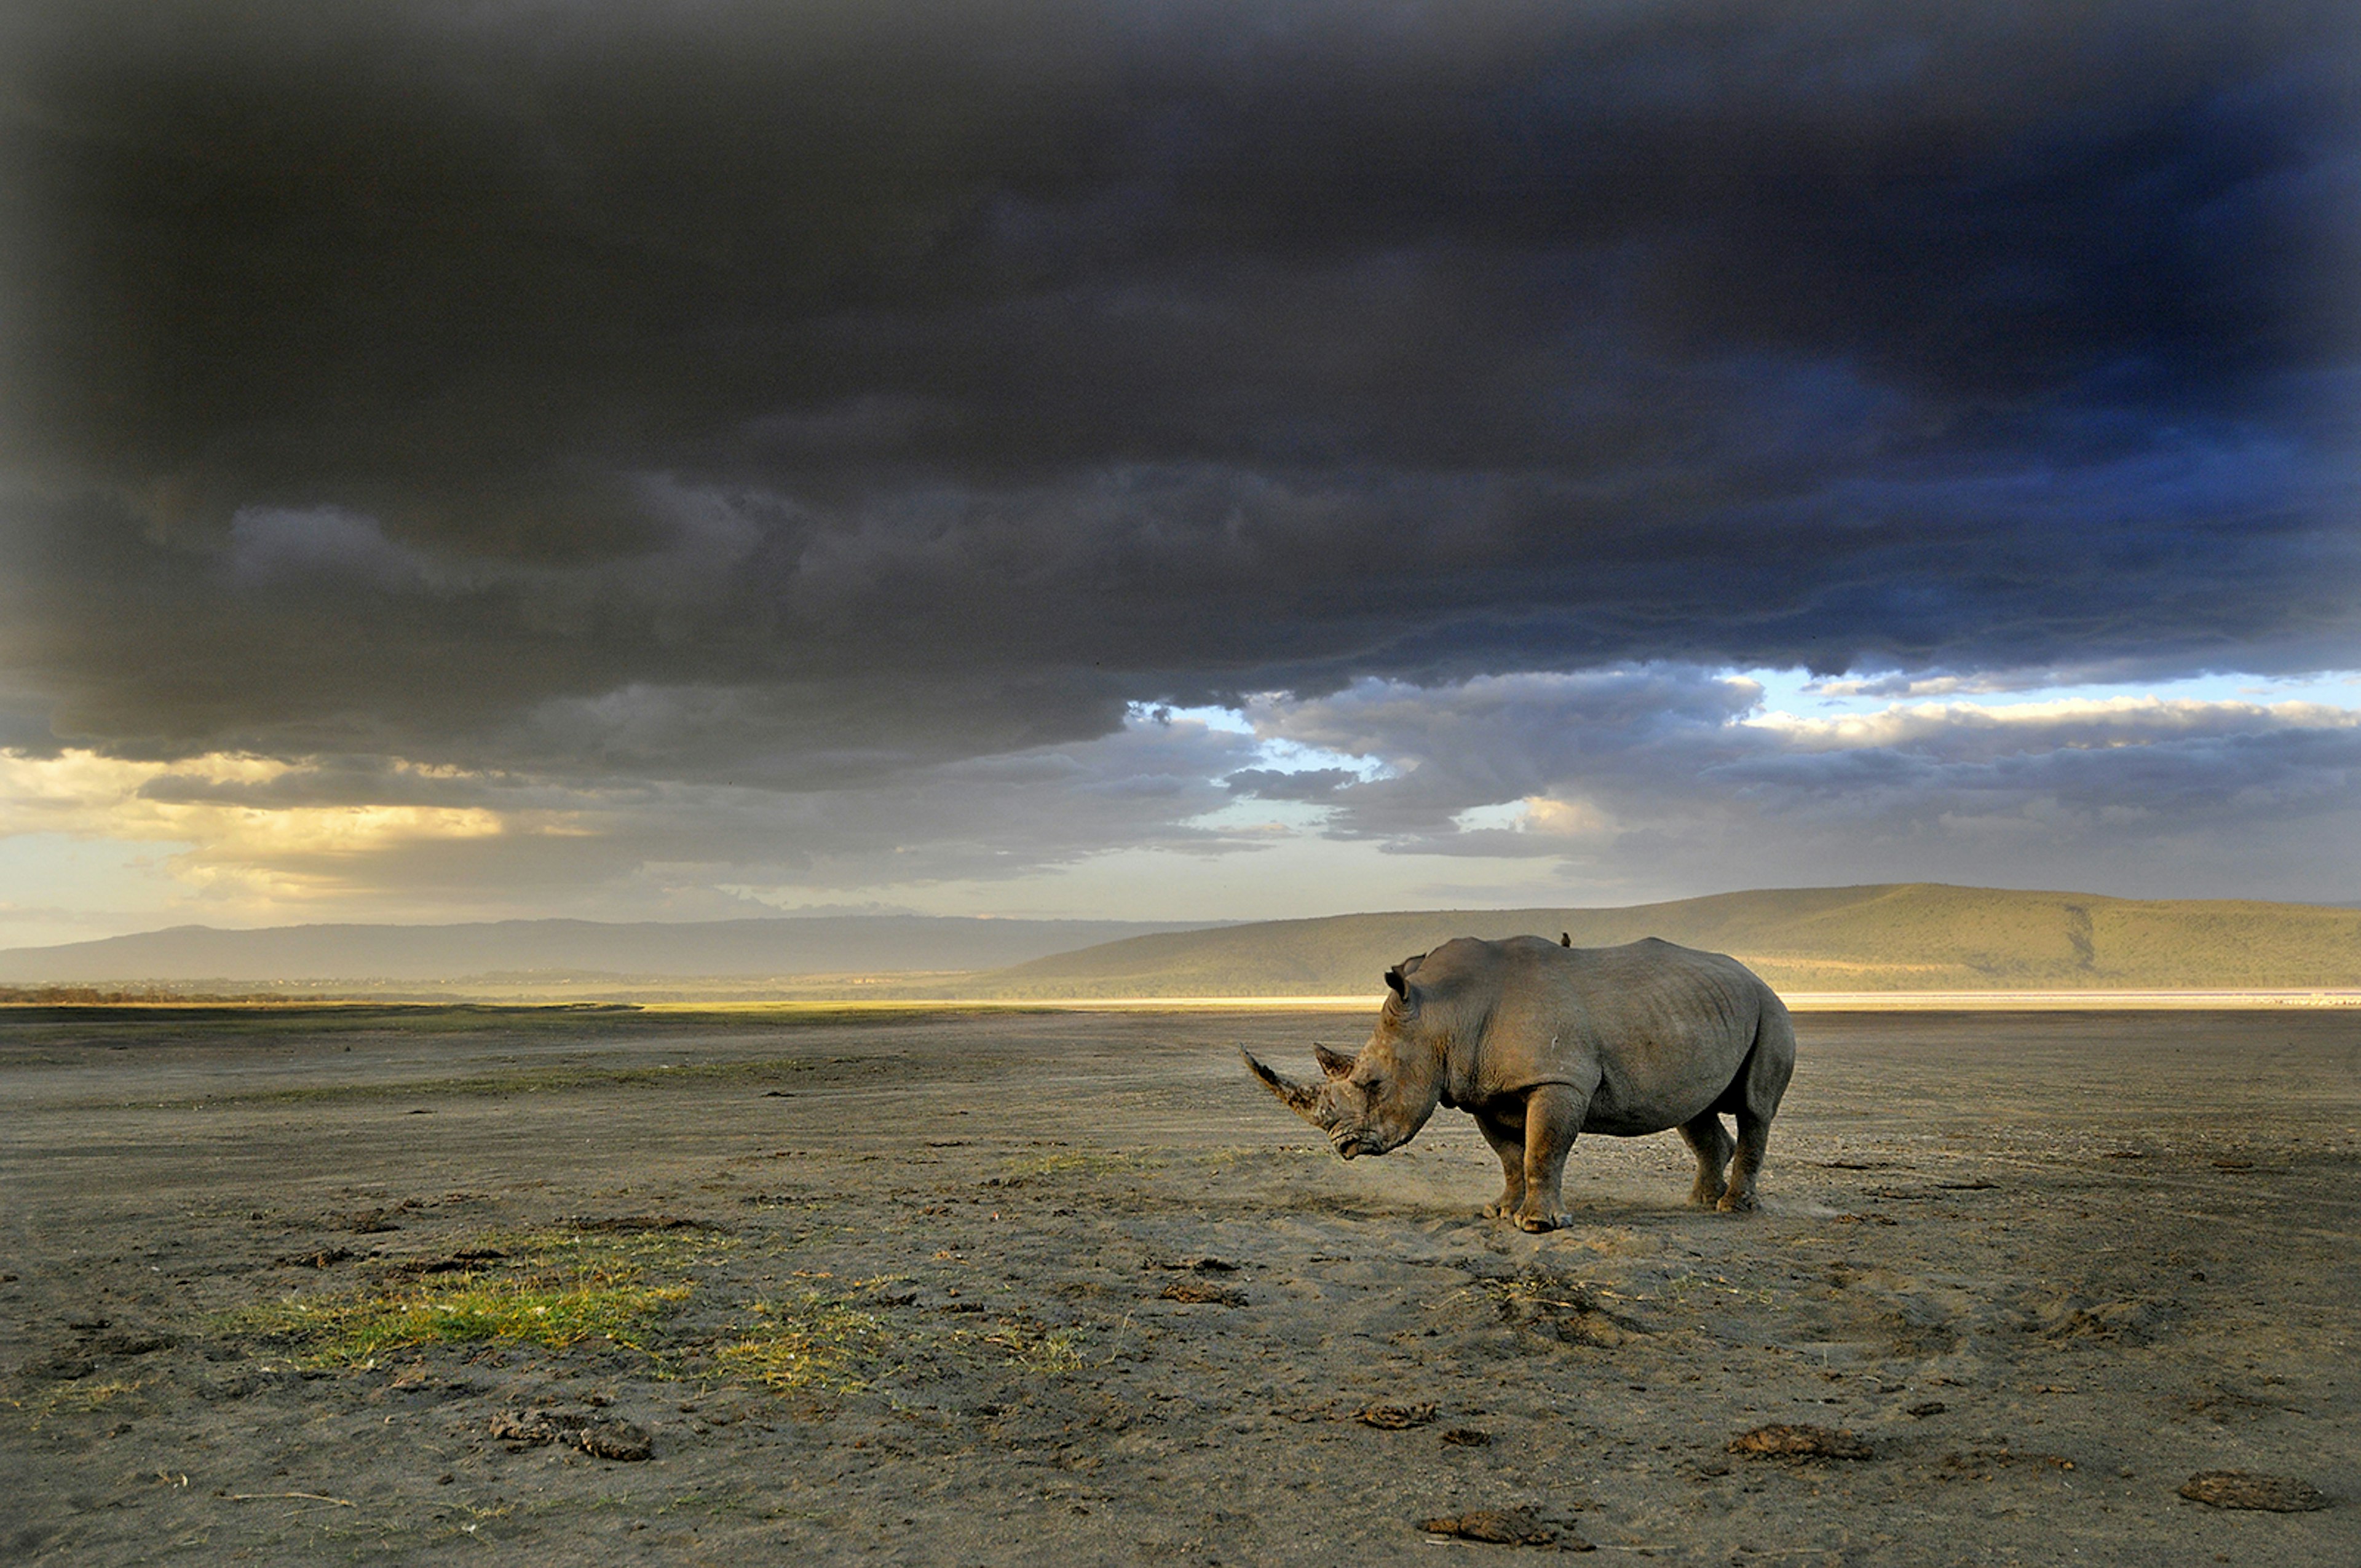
x: 1304, y: 1103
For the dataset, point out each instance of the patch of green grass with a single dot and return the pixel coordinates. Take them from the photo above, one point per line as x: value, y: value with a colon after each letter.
x: 816, y: 1343
x: 812, y: 1342
x: 477, y: 1311
x: 554, y: 1291
x: 85, y: 1397
x: 664, y: 1252
x: 1037, y: 1349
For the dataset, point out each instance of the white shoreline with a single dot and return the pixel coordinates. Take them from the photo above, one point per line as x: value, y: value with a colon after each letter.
x: 1799, y: 1000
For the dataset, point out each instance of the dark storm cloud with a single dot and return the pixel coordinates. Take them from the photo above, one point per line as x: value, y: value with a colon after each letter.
x: 1669, y: 777
x: 1669, y: 744
x: 789, y: 395
x: 1306, y: 785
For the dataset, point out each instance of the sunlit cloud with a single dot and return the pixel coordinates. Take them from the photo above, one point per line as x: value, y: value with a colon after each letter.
x: 1538, y: 815
x: 80, y: 791
x: 214, y: 812
x: 2073, y: 721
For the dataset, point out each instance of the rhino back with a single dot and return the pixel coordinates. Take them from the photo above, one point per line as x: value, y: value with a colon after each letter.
x: 1653, y: 1032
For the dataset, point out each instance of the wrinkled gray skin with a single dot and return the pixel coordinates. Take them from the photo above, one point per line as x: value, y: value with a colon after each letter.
x: 1540, y: 1042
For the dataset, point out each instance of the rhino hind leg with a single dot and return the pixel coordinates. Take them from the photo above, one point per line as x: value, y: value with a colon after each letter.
x: 1754, y: 1099
x: 1709, y: 1141
x: 1746, y: 1164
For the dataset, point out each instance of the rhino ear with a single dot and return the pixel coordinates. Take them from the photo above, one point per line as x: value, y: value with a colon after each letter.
x: 1566, y: 938
x: 1335, y: 1063
x: 1394, y: 980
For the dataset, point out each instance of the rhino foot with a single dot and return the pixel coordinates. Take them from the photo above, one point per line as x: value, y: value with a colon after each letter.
x: 1736, y: 1203
x: 1705, y: 1195
x: 1504, y: 1209
x: 1540, y: 1223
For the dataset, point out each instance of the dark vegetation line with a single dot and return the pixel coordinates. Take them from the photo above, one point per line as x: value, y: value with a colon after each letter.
x: 778, y: 1069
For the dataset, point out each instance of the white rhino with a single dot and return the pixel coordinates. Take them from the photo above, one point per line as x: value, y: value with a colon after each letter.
x: 1541, y: 1041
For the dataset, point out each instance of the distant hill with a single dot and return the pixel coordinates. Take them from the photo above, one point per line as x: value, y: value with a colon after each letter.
x: 1908, y: 936
x: 509, y: 949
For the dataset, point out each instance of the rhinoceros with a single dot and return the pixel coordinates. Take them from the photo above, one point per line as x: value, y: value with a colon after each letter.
x: 1540, y: 1041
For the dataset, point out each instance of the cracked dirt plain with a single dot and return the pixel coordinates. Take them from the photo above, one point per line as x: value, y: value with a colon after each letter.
x: 1067, y: 1287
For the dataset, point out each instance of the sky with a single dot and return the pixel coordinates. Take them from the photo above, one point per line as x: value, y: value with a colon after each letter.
x: 1179, y: 461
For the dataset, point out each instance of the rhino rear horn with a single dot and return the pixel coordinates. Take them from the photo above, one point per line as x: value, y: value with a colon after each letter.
x: 1335, y: 1063
x: 1304, y: 1103
x: 1566, y: 938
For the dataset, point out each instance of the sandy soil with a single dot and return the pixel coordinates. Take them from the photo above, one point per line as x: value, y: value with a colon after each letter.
x: 1111, y: 1305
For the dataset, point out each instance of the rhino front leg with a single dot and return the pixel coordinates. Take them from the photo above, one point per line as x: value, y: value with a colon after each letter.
x: 1554, y: 1113
x: 1508, y: 1142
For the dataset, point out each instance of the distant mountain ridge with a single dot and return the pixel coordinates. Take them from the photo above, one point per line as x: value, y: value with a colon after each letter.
x: 1890, y: 937
x: 786, y: 945
x: 1912, y: 937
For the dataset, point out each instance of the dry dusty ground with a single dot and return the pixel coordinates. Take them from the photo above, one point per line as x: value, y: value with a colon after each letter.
x: 917, y: 1289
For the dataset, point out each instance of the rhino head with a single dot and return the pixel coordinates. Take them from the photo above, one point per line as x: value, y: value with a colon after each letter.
x: 1375, y: 1101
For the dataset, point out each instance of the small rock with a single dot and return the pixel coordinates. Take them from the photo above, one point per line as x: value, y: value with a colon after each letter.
x: 1395, y: 1418
x: 601, y: 1439
x: 509, y: 1426
x: 2134, y: 1320
x: 1799, y: 1441
x: 1192, y: 1292
x: 467, y: 1260
x: 1931, y: 1408
x: 1504, y: 1527
x: 1466, y: 1437
x: 2239, y: 1489
x: 633, y: 1224
x: 614, y: 1440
